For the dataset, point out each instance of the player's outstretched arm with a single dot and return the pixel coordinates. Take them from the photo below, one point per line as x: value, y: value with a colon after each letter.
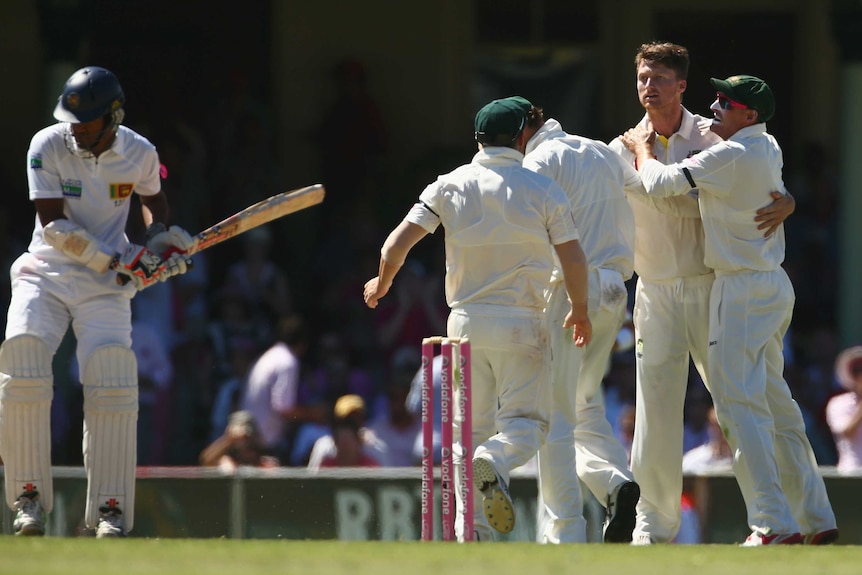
x: 395, y: 249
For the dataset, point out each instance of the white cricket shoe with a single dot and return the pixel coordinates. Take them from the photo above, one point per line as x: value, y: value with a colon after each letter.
x: 30, y: 519
x: 110, y: 523
x: 497, y: 502
x: 642, y: 539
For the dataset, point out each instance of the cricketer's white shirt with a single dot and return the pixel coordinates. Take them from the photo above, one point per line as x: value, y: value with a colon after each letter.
x: 96, y: 191
x: 669, y: 236
x: 735, y: 178
x: 500, y: 220
x: 594, y: 178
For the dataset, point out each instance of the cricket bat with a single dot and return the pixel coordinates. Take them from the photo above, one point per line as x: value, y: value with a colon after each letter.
x: 263, y: 212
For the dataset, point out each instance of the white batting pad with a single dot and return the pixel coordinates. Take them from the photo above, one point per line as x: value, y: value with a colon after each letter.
x: 110, y: 431
x: 26, y: 390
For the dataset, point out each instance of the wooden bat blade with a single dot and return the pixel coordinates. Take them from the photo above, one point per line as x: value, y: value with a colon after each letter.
x: 260, y: 213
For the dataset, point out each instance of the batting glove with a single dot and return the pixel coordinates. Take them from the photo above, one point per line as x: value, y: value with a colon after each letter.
x: 138, y: 265
x: 162, y: 240
x: 171, y: 243
x: 176, y: 264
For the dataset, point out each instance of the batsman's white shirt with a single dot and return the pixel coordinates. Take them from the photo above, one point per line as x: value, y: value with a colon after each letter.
x: 671, y: 317
x: 49, y: 288
x: 751, y: 304
x: 594, y: 178
x: 500, y: 221
x: 96, y: 192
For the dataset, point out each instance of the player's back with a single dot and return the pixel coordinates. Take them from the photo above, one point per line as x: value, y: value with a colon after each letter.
x: 591, y: 174
x: 500, y: 221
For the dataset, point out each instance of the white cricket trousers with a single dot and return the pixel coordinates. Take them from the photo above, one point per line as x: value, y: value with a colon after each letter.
x: 774, y: 464
x: 581, y: 445
x: 671, y: 321
x: 45, y: 300
x: 510, y: 383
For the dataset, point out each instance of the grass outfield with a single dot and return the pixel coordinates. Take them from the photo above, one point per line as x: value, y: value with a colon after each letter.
x: 49, y: 556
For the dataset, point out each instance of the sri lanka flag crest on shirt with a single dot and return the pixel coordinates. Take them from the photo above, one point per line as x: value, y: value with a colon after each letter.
x: 121, y: 191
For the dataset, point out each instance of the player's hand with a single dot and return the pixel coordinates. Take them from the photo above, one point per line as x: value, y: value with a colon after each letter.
x: 161, y: 239
x: 704, y: 126
x: 771, y: 216
x: 174, y: 239
x: 578, y: 319
x: 176, y: 264
x: 171, y: 244
x: 638, y: 138
x: 373, y: 291
x: 138, y: 265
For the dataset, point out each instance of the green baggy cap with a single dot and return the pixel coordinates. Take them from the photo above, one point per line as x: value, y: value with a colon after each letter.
x: 748, y: 90
x: 499, y: 118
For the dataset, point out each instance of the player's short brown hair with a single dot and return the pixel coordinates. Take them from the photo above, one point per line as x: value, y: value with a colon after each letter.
x: 535, y: 117
x: 667, y: 54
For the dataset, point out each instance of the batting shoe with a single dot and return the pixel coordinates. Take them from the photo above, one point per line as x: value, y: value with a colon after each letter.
x: 827, y: 537
x: 641, y: 540
x: 110, y: 523
x: 758, y: 539
x: 622, y: 503
x: 497, y: 502
x: 30, y: 519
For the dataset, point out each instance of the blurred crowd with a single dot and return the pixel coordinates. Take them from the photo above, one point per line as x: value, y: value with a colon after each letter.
x: 264, y: 354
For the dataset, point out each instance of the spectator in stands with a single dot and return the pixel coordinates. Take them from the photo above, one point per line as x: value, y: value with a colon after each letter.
x: 272, y: 387
x: 242, y: 353
x: 349, y: 412
x: 240, y: 444
x: 335, y: 374
x: 844, y: 411
x: 396, y: 426
x: 349, y: 447
x: 714, y: 455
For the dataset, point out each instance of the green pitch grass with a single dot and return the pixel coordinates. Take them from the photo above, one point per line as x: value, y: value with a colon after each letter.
x: 49, y: 556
